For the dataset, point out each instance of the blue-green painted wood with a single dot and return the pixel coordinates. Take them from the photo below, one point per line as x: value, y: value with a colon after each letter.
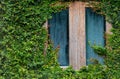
x: 95, y: 27
x: 59, y: 35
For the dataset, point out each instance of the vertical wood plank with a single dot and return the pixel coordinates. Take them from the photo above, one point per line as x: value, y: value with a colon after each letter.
x: 77, y: 39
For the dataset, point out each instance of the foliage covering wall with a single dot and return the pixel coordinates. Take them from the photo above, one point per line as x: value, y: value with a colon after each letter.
x: 23, y: 42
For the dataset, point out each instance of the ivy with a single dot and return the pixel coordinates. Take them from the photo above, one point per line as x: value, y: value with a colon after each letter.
x: 23, y: 40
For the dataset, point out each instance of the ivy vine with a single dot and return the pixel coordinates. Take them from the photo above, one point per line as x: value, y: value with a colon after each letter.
x: 23, y: 41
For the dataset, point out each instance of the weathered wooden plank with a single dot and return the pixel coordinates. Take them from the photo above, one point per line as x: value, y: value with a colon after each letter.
x: 95, y: 29
x: 77, y: 45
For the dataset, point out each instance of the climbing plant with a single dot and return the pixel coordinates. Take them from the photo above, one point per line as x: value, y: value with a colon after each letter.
x: 111, y: 9
x: 23, y: 39
x: 26, y: 52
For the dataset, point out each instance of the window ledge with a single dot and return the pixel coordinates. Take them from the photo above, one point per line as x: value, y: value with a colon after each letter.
x: 64, y: 67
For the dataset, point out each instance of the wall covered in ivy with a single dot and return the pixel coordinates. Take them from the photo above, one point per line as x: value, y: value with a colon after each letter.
x: 23, y: 42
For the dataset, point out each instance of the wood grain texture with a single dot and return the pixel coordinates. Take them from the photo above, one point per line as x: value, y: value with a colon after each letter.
x: 77, y: 39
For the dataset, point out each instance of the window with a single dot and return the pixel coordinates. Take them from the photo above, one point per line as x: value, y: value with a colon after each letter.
x: 71, y: 30
x: 59, y: 35
x: 95, y: 30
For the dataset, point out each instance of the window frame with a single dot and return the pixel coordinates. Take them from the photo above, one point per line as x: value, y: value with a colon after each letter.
x: 77, y: 46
